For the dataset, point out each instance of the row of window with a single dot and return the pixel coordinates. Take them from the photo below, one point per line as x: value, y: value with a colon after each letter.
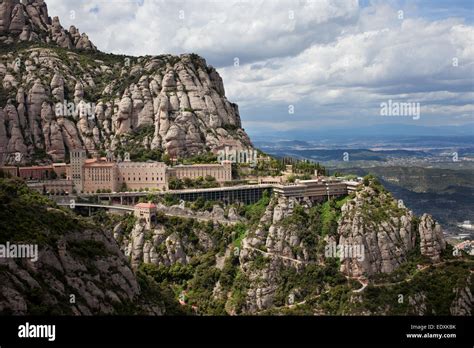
x: 140, y: 179
x: 99, y: 178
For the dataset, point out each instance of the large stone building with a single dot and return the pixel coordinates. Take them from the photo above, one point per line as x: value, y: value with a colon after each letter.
x: 91, y: 175
x: 99, y: 175
x: 9, y: 170
x: 106, y: 174
x: 221, y: 172
x: 147, y: 175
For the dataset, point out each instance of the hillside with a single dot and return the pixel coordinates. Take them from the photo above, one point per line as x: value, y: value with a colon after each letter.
x: 80, y: 269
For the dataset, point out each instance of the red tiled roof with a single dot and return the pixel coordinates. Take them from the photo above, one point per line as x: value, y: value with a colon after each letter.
x: 145, y: 205
x: 99, y: 164
x: 37, y: 168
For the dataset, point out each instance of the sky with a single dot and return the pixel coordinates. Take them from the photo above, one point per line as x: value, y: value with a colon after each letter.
x: 305, y: 64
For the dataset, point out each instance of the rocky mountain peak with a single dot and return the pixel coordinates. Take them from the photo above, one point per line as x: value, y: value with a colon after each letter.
x: 28, y: 20
x: 386, y: 230
x: 54, y: 99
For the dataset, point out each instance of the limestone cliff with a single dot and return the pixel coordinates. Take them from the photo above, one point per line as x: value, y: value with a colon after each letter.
x: 279, y: 242
x: 432, y: 242
x: 54, y: 97
x: 387, y: 230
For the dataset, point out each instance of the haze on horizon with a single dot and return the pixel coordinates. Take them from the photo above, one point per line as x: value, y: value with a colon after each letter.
x: 300, y: 65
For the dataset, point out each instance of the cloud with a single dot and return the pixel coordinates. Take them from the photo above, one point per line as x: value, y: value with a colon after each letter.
x: 331, y: 60
x: 219, y: 30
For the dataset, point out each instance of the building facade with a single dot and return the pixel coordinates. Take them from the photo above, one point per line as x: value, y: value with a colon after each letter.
x: 36, y: 173
x: 10, y: 171
x: 60, y: 170
x: 99, y: 175
x: 147, y: 213
x: 78, y: 158
x: 221, y: 172
x: 147, y: 175
x: 53, y: 187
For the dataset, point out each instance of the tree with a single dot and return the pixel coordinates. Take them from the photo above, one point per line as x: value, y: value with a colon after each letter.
x: 123, y: 188
x: 176, y: 184
x: 188, y: 183
x: 166, y: 158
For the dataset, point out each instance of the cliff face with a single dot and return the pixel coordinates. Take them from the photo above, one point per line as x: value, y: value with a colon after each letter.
x: 387, y: 231
x: 53, y: 99
x: 277, y: 244
x: 384, y: 229
x: 28, y: 21
x: 66, y: 281
x: 432, y: 242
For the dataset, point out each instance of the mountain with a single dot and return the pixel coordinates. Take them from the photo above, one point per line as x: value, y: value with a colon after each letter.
x: 277, y: 259
x: 58, y: 93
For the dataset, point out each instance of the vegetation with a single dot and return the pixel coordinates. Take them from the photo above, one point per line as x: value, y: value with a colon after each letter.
x: 28, y: 216
x: 133, y: 145
x: 187, y: 183
x: 203, y: 158
x: 253, y: 212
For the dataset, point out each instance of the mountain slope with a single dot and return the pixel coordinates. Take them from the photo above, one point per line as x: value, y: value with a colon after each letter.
x: 80, y: 269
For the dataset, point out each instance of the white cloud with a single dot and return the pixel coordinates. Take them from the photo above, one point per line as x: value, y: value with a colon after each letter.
x: 330, y: 59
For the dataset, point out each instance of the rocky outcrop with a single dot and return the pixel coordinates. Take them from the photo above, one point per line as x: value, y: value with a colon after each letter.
x: 432, y: 242
x: 374, y: 224
x: 161, y: 246
x: 67, y: 279
x: 29, y: 21
x: 268, y: 250
x: 172, y: 104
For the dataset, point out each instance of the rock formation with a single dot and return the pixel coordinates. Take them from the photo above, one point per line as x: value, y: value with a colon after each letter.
x: 463, y: 301
x: 375, y: 221
x: 56, y: 98
x: 78, y: 271
x: 432, y: 242
x: 387, y: 231
x: 29, y: 21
